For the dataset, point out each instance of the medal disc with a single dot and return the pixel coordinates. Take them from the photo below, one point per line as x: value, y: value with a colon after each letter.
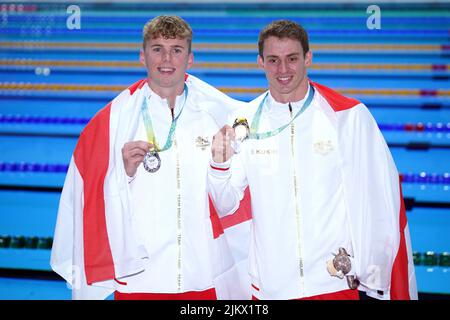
x: 152, y: 161
x: 241, y: 129
x: 241, y: 132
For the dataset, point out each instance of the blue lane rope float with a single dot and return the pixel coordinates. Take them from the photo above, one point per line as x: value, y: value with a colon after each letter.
x: 33, y: 167
x: 30, y: 119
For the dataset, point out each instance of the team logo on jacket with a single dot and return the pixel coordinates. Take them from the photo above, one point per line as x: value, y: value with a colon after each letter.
x: 202, y: 142
x: 323, y: 147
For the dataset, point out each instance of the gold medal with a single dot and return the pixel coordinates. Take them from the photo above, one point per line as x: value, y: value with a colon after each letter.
x: 241, y: 129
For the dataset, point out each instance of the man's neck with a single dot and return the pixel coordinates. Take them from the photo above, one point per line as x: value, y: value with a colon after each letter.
x: 168, y: 93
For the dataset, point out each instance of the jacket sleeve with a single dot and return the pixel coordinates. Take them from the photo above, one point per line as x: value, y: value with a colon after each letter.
x: 226, y: 185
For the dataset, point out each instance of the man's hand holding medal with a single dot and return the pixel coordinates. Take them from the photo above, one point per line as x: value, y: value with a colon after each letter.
x: 227, y: 141
x: 133, y: 154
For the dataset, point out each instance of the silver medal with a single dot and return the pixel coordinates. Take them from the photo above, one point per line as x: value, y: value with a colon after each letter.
x: 152, y: 161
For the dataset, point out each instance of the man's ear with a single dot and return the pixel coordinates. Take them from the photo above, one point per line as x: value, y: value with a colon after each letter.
x: 308, y: 58
x: 260, y: 61
x: 190, y: 60
x: 142, y: 57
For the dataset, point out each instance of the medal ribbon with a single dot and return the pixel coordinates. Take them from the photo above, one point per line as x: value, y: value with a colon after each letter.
x: 149, y: 126
x: 255, y: 123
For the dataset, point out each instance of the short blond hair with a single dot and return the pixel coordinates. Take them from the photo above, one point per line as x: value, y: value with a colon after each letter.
x: 167, y: 27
